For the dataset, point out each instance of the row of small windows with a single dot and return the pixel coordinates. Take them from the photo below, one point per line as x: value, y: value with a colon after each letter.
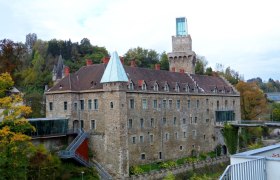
x: 91, y: 105
x: 169, y: 103
x: 152, y: 123
x: 166, y: 137
x: 155, y: 87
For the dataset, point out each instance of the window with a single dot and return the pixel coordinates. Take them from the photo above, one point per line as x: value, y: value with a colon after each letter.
x: 155, y: 87
x: 174, y: 120
x: 177, y: 87
x: 82, y: 124
x: 223, y: 116
x: 82, y: 107
x: 130, y: 123
x: 184, y: 121
x: 164, y: 121
x: 187, y: 88
x: 178, y: 104
x: 143, y: 156
x: 189, y: 103
x: 233, y: 103
x: 226, y: 104
x: 207, y: 111
x: 141, y: 139
x: 176, y: 135
x: 96, y: 104
x: 194, y: 133
x: 89, y: 104
x: 164, y: 103
x: 218, y: 104
x: 131, y: 104
x: 181, y: 148
x: 144, y: 104
x: 191, y: 120
x: 185, y: 134
x: 133, y: 140
x: 152, y: 122
x: 204, y: 136
x: 207, y: 120
x: 65, y: 105
x: 92, y: 124
x: 142, y: 123
x: 166, y: 136
x: 207, y: 102
x: 51, y: 106
x: 197, y: 103
x: 195, y: 120
x: 155, y: 104
x: 75, y: 106
x: 131, y: 86
x: 160, y: 155
x: 170, y: 103
x: 111, y: 105
x: 151, y: 138
x: 166, y: 87
x: 144, y: 87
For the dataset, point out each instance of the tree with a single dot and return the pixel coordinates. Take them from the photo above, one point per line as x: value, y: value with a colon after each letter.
x: 30, y: 40
x: 200, y: 65
x: 6, y: 84
x: 15, y: 146
x: 164, y: 63
x: 252, y: 99
x: 275, y: 112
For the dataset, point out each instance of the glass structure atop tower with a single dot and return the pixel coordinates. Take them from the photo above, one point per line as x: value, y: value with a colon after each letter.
x: 181, y: 26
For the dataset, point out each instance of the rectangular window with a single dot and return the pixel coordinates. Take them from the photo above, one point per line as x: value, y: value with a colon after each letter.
x: 144, y: 104
x: 164, y: 121
x: 141, y: 139
x: 233, y: 103
x: 75, y: 106
x: 184, y: 121
x: 152, y: 122
x: 174, y: 120
x: 197, y: 103
x: 155, y: 105
x: 160, y: 155
x: 65, y: 105
x: 82, y: 107
x: 143, y: 156
x: 189, y: 103
x: 176, y: 135
x: 95, y: 104
x: 131, y: 104
x: 164, y: 103
x: 195, y: 120
x: 89, y: 104
x: 223, y: 116
x: 51, y: 106
x: 185, y: 134
x: 133, y: 140
x: 207, y: 120
x: 151, y: 138
x: 194, y: 133
x: 218, y: 104
x: 82, y: 124
x: 130, y: 123
x: 191, y: 120
x: 178, y: 104
x: 166, y: 136
x: 142, y: 123
x: 207, y: 102
x: 204, y: 137
x: 170, y: 103
x: 92, y: 124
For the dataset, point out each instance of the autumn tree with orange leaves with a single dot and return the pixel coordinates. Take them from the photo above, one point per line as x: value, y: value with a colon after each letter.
x: 252, y: 100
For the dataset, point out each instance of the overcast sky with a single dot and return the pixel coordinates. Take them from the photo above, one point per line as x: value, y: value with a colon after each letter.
x: 242, y: 34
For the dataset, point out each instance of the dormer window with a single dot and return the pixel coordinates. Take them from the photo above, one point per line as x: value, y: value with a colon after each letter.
x: 215, y: 90
x: 177, y: 87
x: 131, y: 85
x: 166, y: 87
x: 155, y: 87
x: 144, y: 86
x: 195, y: 89
x: 187, y: 88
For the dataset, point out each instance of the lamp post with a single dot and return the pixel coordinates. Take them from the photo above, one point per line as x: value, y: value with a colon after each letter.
x: 82, y: 175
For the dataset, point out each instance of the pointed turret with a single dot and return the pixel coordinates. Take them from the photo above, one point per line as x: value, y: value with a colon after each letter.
x: 114, y: 71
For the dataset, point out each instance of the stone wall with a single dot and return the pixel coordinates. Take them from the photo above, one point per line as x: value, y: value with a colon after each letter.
x: 179, y: 169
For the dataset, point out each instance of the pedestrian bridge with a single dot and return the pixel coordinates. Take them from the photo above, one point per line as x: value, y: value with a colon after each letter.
x: 255, y: 123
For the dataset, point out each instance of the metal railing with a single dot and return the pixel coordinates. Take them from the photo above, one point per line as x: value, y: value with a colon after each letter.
x: 102, y: 172
x: 249, y: 170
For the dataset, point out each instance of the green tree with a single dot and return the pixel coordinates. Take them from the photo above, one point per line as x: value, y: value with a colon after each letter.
x: 275, y: 112
x: 169, y: 176
x: 200, y: 65
x: 164, y: 63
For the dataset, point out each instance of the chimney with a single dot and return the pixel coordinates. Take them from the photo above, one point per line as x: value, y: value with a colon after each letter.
x: 88, y: 62
x: 182, y: 71
x: 105, y: 60
x: 173, y: 69
x: 157, y: 66
x: 132, y: 63
x: 66, y: 71
x: 122, y: 60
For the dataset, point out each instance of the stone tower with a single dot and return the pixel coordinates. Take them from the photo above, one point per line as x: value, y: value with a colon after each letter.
x: 182, y: 58
x: 114, y: 82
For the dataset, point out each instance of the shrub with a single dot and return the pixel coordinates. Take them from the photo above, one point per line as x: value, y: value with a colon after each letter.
x: 136, y: 170
x: 202, y: 156
x: 168, y: 164
x: 190, y: 159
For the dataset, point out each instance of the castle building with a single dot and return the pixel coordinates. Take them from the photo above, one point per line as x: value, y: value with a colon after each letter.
x: 137, y: 115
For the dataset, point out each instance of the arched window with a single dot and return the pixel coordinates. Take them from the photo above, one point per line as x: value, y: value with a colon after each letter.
x: 166, y: 87
x: 155, y: 87
x: 144, y: 86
